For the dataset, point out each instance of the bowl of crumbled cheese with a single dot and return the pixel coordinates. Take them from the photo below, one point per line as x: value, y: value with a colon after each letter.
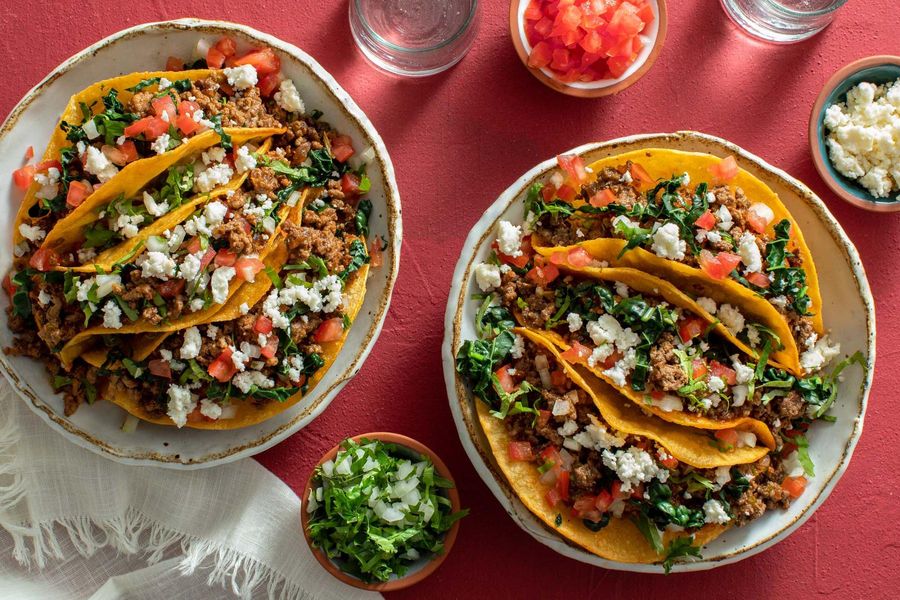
x: 854, y: 133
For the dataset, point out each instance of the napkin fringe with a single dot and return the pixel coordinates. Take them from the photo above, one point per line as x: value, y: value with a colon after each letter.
x: 36, y: 543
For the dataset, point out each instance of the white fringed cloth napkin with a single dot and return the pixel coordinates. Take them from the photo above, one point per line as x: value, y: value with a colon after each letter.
x: 76, y: 525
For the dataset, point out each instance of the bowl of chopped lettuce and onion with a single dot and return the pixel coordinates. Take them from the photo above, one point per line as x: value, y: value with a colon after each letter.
x: 380, y: 511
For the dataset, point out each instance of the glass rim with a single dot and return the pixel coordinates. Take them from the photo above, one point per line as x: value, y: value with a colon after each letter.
x: 806, y: 13
x: 470, y: 18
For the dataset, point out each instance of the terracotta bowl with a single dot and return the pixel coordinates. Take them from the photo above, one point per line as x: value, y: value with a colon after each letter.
x: 422, y: 568
x: 653, y: 40
x: 875, y: 69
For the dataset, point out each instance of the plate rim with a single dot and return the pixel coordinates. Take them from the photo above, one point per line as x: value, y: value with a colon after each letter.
x: 488, y: 473
x: 393, y: 210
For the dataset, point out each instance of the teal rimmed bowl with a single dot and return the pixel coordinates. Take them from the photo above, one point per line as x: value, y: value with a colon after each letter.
x: 875, y: 69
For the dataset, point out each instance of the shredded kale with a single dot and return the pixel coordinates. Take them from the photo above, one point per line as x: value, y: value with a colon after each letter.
x: 21, y: 303
x: 786, y: 280
x: 358, y: 257
x: 363, y: 211
x: 492, y: 319
x: 680, y: 547
x: 477, y: 360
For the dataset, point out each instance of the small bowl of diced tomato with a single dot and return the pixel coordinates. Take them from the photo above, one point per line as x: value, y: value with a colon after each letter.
x: 588, y: 48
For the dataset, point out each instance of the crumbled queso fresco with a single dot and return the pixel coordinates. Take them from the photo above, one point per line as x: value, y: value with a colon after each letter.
x: 864, y: 137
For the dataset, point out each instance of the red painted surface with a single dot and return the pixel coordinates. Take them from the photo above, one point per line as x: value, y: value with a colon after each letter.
x: 457, y: 141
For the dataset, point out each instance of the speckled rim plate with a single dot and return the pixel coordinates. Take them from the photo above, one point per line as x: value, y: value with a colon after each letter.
x: 848, y: 310
x: 146, y: 47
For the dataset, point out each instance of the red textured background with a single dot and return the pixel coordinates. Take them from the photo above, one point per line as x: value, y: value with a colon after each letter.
x: 457, y: 140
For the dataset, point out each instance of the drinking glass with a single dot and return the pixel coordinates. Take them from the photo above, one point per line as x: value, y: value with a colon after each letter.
x: 782, y: 21
x: 414, y: 38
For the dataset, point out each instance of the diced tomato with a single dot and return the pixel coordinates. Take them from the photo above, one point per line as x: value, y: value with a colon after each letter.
x: 150, y: 127
x: 690, y: 327
x: 706, y: 221
x: 115, y: 156
x: 188, y: 107
x: 193, y: 245
x: 186, y: 124
x: 269, y: 84
x: 270, y: 348
x: 759, y: 279
x: 46, y: 165
x: 222, y: 368
x: 541, y: 55
x: 794, y: 486
x: 207, y: 258
x: 724, y: 372
x: 561, y: 60
x: 617, y: 66
x: 787, y: 449
x: 584, y: 504
x: 558, y: 378
x: 170, y: 288
x: 698, y: 369
x: 376, y: 255
x: 573, y: 165
x: 727, y: 436
x: 566, y: 193
x: 129, y: 150
x: 263, y: 325
x: 10, y: 287
x: 23, y: 177
x: 645, y: 13
x: 603, y: 500
x: 543, y: 417
x: 164, y: 105
x: 520, y: 451
x: 29, y: 153
x: 616, y: 491
x: 552, y: 496
x: 160, y: 368
x: 603, y: 198
x: 757, y: 222
x: 174, y: 64
x: 225, y: 257
x: 533, y: 12
x: 562, y: 484
x: 214, y: 58
x: 350, y: 184
x: 577, y: 352
x: 670, y: 462
x: 725, y: 170
x: 506, y: 381
x: 719, y: 266
x: 263, y: 60
x: 78, y: 191
x: 542, y: 274
x: 247, y: 268
x: 579, y: 257
x: 637, y: 491
x: 342, y: 148
x: 329, y: 331
x: 226, y: 45
x: 43, y: 259
x: 639, y: 173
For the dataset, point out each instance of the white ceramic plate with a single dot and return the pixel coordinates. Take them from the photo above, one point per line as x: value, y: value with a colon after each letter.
x: 145, y: 48
x: 848, y: 310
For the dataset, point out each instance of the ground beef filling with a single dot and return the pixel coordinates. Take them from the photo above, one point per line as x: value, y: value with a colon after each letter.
x: 588, y: 474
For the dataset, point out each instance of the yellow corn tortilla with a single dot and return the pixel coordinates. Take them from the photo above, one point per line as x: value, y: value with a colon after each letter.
x: 249, y: 413
x: 684, y: 418
x: 132, y: 179
x: 274, y: 255
x: 620, y: 540
x: 684, y: 443
x: 92, y: 96
x: 661, y: 163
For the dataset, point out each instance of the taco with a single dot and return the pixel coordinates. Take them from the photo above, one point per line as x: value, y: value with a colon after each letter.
x: 119, y: 217
x: 119, y: 124
x: 596, y: 470
x: 265, y: 201
x: 663, y: 351
x: 697, y: 220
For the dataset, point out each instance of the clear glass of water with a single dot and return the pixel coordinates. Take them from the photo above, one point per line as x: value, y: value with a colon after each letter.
x: 782, y: 21
x: 414, y: 38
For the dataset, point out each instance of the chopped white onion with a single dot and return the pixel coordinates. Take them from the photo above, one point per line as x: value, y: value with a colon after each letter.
x: 567, y: 459
x: 228, y: 412
x: 130, y: 424
x: 202, y: 48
